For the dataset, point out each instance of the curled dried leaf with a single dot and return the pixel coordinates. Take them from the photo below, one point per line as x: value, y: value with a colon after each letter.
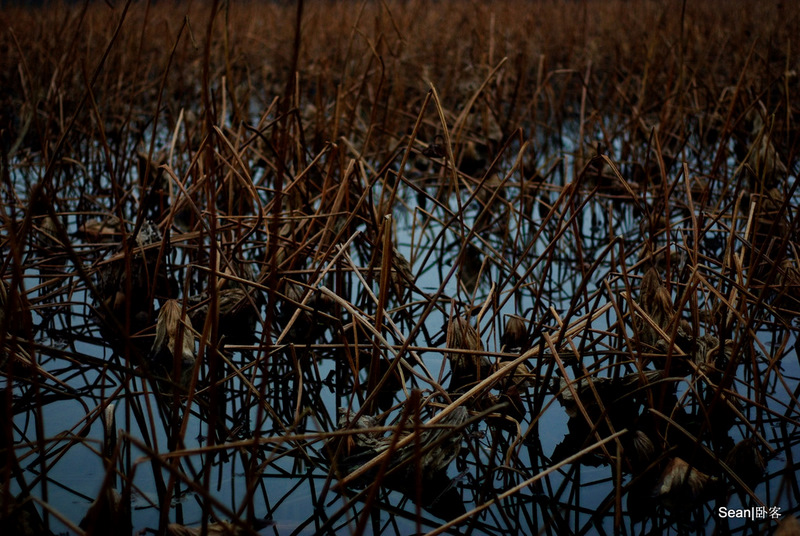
x: 788, y: 526
x: 468, y: 367
x: 656, y: 301
x: 168, y: 328
x: 108, y: 230
x: 515, y: 334
x: 680, y: 484
x: 746, y: 461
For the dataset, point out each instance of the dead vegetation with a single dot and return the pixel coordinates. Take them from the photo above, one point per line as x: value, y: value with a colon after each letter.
x: 422, y: 267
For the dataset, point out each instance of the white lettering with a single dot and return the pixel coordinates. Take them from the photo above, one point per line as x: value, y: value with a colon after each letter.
x: 754, y: 512
x: 750, y: 513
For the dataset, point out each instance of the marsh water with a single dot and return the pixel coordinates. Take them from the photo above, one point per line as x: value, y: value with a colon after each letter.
x: 56, y: 424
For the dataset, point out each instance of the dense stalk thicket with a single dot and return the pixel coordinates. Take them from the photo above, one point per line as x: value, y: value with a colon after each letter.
x: 399, y: 267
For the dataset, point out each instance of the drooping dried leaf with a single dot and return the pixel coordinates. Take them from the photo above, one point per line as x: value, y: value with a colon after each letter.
x: 656, y: 301
x: 788, y: 526
x: 467, y: 367
x: 608, y: 389
x: 108, y: 230
x: 515, y: 334
x: 170, y: 318
x: 746, y: 461
x: 237, y: 314
x: 680, y: 484
x: 220, y: 528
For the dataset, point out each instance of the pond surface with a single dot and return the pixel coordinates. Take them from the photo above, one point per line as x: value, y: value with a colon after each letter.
x: 253, y: 441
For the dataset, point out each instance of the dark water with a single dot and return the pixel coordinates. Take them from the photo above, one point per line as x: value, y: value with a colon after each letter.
x: 551, y: 261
